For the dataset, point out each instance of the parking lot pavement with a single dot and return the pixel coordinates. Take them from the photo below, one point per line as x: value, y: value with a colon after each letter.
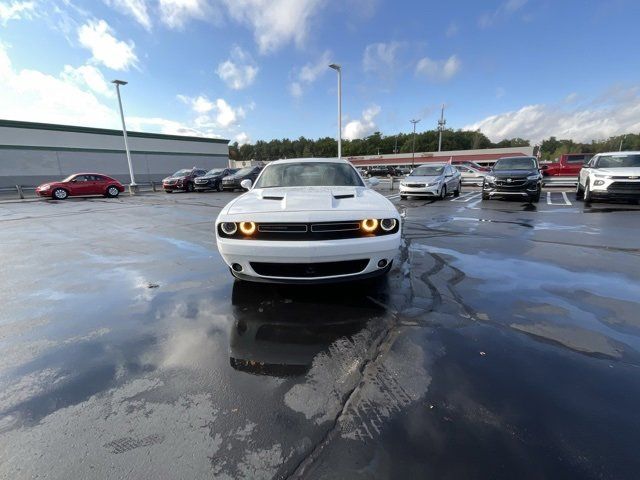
x: 504, y: 343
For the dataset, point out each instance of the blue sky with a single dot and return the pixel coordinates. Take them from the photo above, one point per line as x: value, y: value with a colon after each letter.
x: 257, y: 69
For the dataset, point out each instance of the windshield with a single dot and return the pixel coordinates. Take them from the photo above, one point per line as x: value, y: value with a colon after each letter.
x: 427, y: 171
x: 181, y: 173
x: 309, y: 174
x: 244, y: 171
x: 515, y: 164
x: 618, y: 161
x: 215, y: 171
x: 69, y: 178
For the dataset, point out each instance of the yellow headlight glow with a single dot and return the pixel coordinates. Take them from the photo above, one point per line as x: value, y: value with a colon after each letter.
x: 369, y: 225
x: 247, y: 228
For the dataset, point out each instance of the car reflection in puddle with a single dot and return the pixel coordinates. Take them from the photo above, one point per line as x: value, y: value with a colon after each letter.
x: 279, y: 330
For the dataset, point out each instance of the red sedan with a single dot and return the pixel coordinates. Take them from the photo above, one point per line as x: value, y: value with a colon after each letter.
x: 80, y: 184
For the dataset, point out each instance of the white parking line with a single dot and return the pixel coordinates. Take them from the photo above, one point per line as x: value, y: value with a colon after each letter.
x: 395, y: 195
x: 565, y: 199
x: 467, y: 197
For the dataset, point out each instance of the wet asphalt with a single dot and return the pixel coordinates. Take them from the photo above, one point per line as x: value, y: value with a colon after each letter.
x: 504, y: 343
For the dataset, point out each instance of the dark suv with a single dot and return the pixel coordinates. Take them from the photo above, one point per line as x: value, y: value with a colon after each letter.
x: 182, y: 180
x: 232, y: 182
x: 213, y: 179
x: 383, y: 171
x: 513, y: 177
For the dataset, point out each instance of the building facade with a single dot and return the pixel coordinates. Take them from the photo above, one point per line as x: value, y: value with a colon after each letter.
x: 486, y: 156
x: 32, y: 153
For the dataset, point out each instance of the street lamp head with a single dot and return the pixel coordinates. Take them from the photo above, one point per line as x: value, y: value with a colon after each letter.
x: 119, y: 82
x: 335, y: 66
x: 414, y: 121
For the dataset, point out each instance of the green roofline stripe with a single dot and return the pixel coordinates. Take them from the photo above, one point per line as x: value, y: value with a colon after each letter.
x: 103, y: 150
x: 106, y: 131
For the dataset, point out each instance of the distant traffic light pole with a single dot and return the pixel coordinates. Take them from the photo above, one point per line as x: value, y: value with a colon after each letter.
x: 413, y: 148
x: 338, y: 69
x: 132, y: 185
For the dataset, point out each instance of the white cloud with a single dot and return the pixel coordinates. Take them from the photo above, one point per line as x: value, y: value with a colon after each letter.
x: 15, y: 10
x: 239, y: 71
x: 507, y: 8
x: 106, y: 49
x: 362, y: 127
x: 213, y: 114
x: 614, y: 113
x: 169, y: 127
x: 452, y: 30
x: 439, y: 70
x: 176, y: 13
x: 381, y: 57
x: 134, y: 8
x: 275, y: 23
x: 31, y: 95
x: 242, y: 138
x: 88, y: 76
x: 309, y: 73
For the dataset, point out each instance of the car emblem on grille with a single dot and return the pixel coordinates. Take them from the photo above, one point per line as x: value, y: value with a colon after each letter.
x: 309, y: 270
x: 509, y: 180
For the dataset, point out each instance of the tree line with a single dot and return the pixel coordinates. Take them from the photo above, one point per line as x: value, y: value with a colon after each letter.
x: 378, y: 144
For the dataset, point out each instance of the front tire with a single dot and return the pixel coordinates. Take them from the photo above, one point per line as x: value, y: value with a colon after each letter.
x: 112, y: 192
x: 60, y: 194
x: 219, y: 187
x: 535, y: 198
x: 456, y: 192
x: 190, y: 187
x: 403, y: 197
x: 443, y: 192
x: 579, y: 191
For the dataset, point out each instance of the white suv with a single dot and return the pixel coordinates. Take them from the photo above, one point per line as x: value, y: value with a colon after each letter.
x: 610, y: 175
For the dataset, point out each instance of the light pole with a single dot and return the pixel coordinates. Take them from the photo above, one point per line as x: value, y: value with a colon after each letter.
x: 338, y: 69
x: 441, y: 123
x: 413, y: 148
x: 132, y: 185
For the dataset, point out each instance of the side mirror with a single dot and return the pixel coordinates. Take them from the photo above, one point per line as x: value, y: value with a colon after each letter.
x: 373, y: 181
x: 544, y: 167
x: 246, y: 184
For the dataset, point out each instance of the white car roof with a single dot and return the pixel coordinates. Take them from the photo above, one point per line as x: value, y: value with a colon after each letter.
x: 308, y: 160
x: 433, y: 164
x: 618, y: 153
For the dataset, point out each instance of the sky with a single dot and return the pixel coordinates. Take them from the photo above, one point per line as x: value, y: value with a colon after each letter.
x: 249, y: 70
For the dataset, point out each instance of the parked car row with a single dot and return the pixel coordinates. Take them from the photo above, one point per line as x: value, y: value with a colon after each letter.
x: 219, y: 179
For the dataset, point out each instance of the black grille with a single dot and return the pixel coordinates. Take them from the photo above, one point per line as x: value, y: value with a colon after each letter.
x: 515, y: 182
x: 309, y: 231
x: 624, y: 187
x: 415, y: 185
x: 309, y: 270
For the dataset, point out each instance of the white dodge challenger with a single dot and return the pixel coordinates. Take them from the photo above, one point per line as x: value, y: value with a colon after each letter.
x: 309, y: 220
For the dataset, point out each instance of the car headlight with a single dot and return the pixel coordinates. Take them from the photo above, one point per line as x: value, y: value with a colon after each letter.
x: 388, y: 224
x: 248, y: 228
x: 598, y: 175
x: 532, y: 177
x: 369, y: 225
x: 229, y: 228
x: 45, y: 186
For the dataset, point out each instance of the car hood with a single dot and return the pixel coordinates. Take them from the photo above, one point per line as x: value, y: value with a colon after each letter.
x: 619, y: 172
x: 173, y: 178
x: 309, y: 199
x: 513, y: 173
x: 422, y: 178
x: 211, y: 176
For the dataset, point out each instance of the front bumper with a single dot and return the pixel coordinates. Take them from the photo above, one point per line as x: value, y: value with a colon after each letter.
x: 615, y: 188
x: 204, y: 186
x: 525, y: 189
x: 246, y: 252
x: 44, y: 193
x: 173, y: 187
x: 230, y: 185
x: 428, y: 191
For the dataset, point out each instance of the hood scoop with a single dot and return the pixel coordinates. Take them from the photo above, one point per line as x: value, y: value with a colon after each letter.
x: 272, y: 197
x: 344, y: 195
